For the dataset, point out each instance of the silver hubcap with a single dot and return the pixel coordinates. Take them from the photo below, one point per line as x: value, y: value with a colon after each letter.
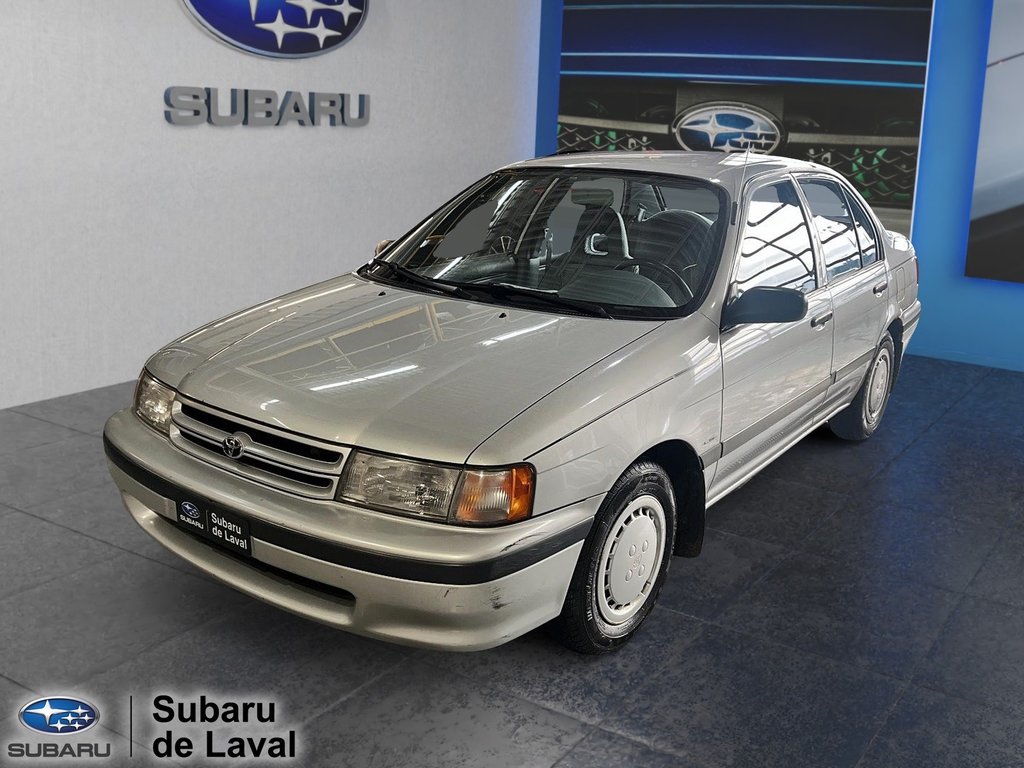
x: 631, y: 559
x: 878, y: 386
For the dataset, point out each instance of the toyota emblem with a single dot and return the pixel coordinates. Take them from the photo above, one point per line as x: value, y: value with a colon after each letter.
x: 233, y: 446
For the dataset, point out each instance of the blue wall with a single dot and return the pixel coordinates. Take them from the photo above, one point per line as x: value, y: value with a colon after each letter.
x: 548, y: 76
x: 964, y: 319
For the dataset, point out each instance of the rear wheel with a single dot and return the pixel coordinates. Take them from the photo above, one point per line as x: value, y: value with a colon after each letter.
x: 623, y: 563
x: 860, y: 420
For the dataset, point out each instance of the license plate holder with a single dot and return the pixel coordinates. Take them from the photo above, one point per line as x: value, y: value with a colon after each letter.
x: 215, y: 524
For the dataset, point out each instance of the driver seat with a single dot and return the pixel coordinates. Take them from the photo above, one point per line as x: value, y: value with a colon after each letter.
x: 676, y: 239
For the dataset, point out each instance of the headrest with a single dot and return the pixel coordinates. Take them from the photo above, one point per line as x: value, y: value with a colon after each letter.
x: 592, y: 197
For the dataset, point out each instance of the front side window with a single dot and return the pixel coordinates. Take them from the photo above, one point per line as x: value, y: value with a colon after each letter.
x: 581, y: 241
x: 776, y: 249
x: 834, y: 224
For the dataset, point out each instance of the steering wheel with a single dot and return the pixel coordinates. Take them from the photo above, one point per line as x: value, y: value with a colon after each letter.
x: 664, y: 269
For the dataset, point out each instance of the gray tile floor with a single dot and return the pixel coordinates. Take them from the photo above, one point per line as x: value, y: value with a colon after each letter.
x: 855, y: 605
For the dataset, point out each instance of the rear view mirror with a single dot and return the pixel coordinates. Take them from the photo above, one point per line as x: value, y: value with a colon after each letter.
x: 381, y: 247
x: 765, y: 305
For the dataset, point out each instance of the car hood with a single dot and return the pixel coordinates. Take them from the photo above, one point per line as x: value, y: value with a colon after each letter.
x: 355, y: 362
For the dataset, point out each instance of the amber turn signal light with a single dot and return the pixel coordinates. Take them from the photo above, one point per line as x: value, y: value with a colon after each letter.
x: 489, y: 496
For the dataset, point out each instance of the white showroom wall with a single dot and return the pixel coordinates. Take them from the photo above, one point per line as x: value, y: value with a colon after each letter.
x: 119, y: 232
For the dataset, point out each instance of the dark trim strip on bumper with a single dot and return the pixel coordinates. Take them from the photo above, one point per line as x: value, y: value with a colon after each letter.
x: 911, y: 323
x: 384, y: 565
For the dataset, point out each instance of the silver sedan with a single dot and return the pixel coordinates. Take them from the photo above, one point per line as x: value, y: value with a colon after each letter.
x: 518, y: 412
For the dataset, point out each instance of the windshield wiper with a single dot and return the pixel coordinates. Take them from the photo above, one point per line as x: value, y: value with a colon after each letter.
x: 407, y: 275
x: 465, y: 290
x: 548, y: 297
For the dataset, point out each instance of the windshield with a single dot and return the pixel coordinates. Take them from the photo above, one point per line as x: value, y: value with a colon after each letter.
x: 611, y: 244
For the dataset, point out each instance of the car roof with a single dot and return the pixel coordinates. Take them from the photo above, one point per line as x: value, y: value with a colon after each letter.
x: 726, y: 168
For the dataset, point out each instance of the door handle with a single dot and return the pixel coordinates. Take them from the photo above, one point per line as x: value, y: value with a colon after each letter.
x: 820, y: 320
x: 879, y: 289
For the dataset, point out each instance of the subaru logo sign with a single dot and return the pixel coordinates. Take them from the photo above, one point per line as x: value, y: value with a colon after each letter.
x: 190, y: 509
x: 287, y: 29
x: 58, y: 715
x: 727, y: 127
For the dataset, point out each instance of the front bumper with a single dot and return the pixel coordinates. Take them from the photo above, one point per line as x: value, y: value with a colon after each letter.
x: 383, y: 576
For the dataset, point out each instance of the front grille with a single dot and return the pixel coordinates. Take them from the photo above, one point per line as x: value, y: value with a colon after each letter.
x: 290, y: 445
x: 271, y: 456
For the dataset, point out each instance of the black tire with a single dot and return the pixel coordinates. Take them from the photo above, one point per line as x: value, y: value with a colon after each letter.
x: 861, y: 418
x: 584, y: 625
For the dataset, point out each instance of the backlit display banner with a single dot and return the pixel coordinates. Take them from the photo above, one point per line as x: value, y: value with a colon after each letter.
x: 996, y: 248
x: 839, y: 83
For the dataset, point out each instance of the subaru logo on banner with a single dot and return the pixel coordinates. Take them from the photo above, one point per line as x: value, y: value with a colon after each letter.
x: 727, y: 127
x: 58, y: 715
x: 287, y: 29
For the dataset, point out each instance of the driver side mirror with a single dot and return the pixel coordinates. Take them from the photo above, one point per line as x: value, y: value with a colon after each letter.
x: 765, y: 305
x: 381, y: 247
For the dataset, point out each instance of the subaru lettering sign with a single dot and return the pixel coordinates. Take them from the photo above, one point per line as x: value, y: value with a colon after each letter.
x: 727, y: 127
x: 58, y: 715
x: 287, y: 29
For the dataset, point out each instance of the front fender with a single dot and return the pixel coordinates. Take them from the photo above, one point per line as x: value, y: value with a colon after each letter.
x: 665, y: 386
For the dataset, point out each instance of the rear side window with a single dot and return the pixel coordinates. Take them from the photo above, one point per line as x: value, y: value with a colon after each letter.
x: 776, y: 251
x: 834, y: 224
x: 865, y: 232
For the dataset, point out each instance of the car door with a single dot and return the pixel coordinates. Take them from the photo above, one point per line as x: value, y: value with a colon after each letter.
x: 775, y: 374
x: 856, y: 276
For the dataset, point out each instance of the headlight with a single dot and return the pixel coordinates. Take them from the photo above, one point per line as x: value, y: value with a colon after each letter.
x: 404, y: 486
x: 472, y: 496
x: 153, y: 403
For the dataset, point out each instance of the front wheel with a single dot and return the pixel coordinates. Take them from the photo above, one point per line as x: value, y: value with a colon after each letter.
x: 623, y: 563
x: 862, y: 417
